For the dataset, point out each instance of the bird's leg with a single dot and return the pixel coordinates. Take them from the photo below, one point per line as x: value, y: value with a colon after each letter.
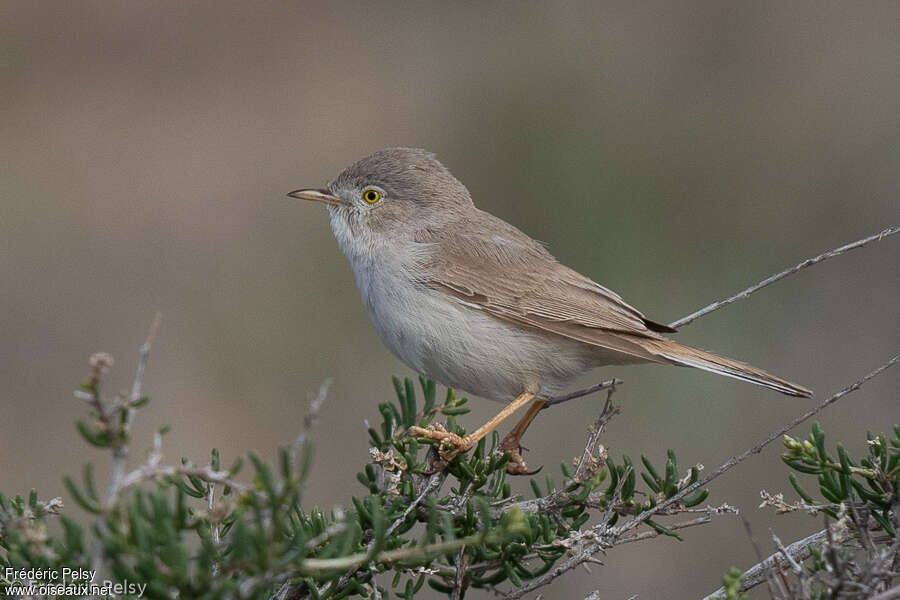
x: 452, y: 444
x: 510, y: 443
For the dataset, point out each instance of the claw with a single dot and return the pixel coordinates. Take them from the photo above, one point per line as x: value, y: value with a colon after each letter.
x: 518, y: 466
x: 450, y: 443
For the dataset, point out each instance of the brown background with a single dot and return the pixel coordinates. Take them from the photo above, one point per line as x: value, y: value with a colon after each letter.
x: 675, y: 152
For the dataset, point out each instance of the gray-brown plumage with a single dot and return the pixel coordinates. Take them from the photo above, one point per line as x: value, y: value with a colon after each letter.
x: 472, y: 302
x: 473, y: 267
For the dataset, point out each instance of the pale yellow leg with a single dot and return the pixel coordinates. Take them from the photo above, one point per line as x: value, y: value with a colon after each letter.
x: 510, y: 443
x: 461, y: 444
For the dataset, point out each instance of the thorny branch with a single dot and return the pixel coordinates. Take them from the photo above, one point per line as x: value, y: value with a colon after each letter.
x: 736, y: 460
x: 602, y: 536
x: 745, y: 293
x: 779, y: 276
x: 108, y: 416
x: 756, y: 575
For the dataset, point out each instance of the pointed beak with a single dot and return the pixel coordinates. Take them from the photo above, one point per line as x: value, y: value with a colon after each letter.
x: 322, y: 196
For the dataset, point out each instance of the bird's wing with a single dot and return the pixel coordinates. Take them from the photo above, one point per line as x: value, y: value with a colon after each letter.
x: 494, y: 267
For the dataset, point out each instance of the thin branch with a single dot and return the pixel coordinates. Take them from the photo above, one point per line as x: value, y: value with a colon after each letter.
x: 459, y: 581
x: 149, y: 472
x: 736, y: 460
x: 433, y: 484
x: 778, y: 276
x: 314, y: 565
x: 120, y: 443
x: 599, y: 540
x: 603, y: 536
x: 787, y: 555
x: 890, y: 594
x: 603, y: 385
x: 775, y: 585
x: 309, y: 419
x: 650, y: 534
x: 798, y: 551
x: 589, y: 461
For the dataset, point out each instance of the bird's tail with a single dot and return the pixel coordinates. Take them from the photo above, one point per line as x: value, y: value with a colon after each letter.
x: 686, y: 356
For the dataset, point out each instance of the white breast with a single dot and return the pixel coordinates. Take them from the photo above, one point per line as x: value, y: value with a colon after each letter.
x: 453, y: 343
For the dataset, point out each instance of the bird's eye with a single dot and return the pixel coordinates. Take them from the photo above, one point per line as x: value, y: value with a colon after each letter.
x: 371, y: 196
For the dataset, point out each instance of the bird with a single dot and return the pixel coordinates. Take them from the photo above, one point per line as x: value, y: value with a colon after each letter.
x: 470, y: 301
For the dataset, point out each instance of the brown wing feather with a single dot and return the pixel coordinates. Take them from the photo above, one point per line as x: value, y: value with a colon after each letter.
x: 485, y: 266
x: 502, y: 271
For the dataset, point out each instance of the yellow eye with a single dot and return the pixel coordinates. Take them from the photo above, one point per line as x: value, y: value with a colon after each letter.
x: 371, y: 196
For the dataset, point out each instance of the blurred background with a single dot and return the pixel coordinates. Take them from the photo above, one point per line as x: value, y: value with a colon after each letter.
x: 675, y: 152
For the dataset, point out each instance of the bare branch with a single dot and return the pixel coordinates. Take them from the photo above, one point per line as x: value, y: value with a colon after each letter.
x: 778, y: 276
x: 590, y: 461
x: 603, y: 536
x: 309, y: 419
x: 433, y: 484
x: 891, y: 594
x: 459, y: 582
x: 149, y: 472
x: 596, y: 540
x: 120, y: 441
x: 603, y: 385
x: 736, y: 460
x: 797, y: 551
x: 650, y: 534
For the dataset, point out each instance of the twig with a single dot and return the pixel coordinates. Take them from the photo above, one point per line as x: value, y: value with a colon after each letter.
x: 736, y: 460
x: 650, y: 534
x: 890, y: 594
x: 459, y: 581
x: 778, y: 276
x: 787, y: 555
x: 214, y: 523
x: 314, y: 565
x: 606, y: 537
x: 586, y: 553
x: 603, y: 385
x: 148, y: 472
x: 686, y: 320
x: 120, y: 443
x: 589, y: 461
x: 309, y: 419
x: 798, y: 551
x: 771, y: 582
x: 433, y: 484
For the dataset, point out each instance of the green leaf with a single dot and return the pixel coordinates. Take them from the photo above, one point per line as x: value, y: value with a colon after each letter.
x: 800, y: 466
x: 800, y: 491
x: 440, y: 586
x: 662, y: 530
x: 651, y: 483
x: 86, y: 503
x: 652, y: 473
x: 695, y: 498
x: 92, y: 436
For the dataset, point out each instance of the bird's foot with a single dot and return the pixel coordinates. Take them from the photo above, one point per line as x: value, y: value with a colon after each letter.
x: 516, y: 464
x: 450, y: 443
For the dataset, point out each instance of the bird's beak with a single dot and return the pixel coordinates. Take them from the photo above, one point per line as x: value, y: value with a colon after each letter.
x: 317, y: 196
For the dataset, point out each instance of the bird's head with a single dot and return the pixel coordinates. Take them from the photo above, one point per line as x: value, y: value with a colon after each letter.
x: 390, y: 195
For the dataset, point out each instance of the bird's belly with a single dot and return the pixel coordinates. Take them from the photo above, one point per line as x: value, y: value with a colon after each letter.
x: 465, y: 348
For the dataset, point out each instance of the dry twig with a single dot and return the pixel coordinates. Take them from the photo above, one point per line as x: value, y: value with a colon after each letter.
x: 120, y: 443
x: 778, y: 276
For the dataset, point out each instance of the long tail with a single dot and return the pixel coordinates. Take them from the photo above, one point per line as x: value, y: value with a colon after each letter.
x: 691, y: 357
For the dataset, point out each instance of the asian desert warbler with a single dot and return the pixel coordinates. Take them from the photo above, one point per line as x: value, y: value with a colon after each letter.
x: 470, y: 301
